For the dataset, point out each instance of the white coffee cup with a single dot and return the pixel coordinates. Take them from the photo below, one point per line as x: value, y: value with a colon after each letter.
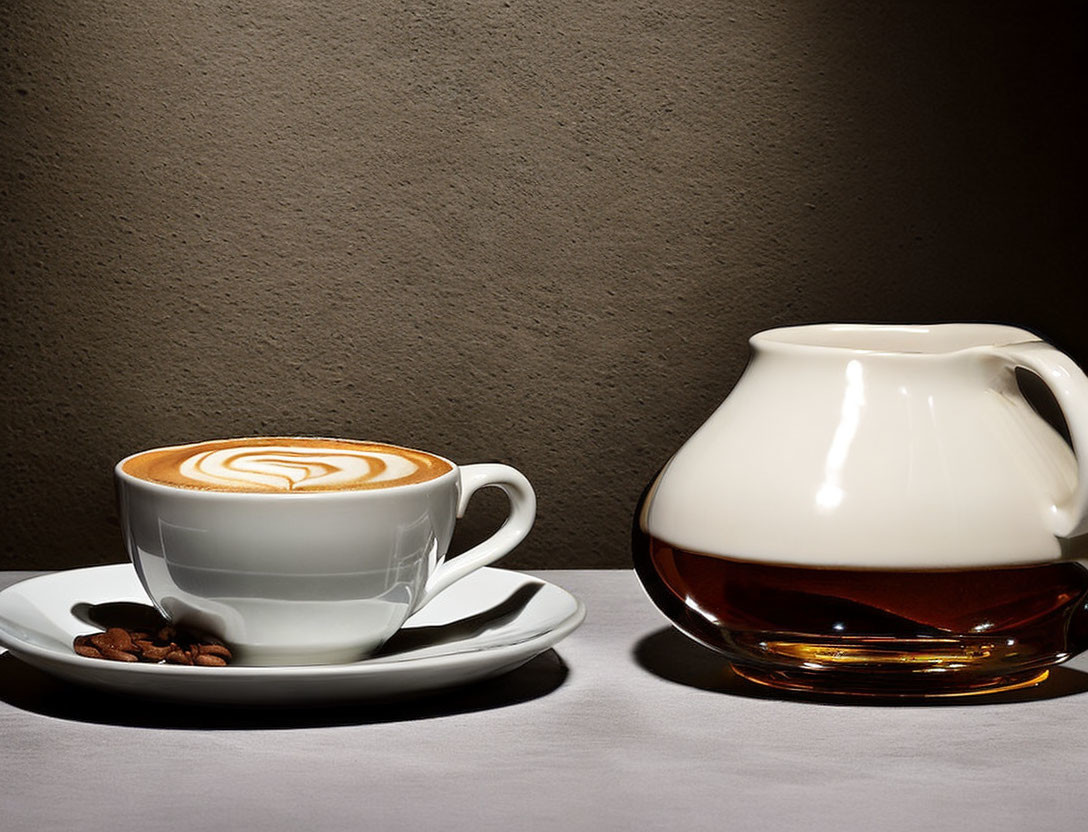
x: 311, y: 577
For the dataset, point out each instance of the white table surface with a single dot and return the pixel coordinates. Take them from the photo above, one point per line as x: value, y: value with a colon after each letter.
x: 625, y: 725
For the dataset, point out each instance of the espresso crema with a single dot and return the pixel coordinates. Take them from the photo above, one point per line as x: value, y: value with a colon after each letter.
x: 285, y: 464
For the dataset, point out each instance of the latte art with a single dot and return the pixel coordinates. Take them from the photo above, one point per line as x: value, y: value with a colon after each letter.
x: 286, y: 465
x: 292, y: 469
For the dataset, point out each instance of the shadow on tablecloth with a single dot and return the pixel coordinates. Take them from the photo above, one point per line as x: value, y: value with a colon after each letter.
x: 30, y: 689
x: 670, y: 655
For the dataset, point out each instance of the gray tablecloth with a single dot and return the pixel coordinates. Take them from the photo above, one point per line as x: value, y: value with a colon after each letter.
x: 625, y: 726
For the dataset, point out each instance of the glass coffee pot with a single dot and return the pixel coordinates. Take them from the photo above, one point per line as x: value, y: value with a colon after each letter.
x: 880, y: 510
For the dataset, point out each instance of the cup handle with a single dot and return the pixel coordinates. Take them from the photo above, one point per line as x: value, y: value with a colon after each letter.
x: 509, y: 535
x: 1070, y: 387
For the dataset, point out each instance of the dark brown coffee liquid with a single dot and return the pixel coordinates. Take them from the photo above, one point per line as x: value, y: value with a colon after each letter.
x: 873, y: 630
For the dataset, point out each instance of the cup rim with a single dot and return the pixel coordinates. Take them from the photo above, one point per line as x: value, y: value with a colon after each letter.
x: 332, y: 494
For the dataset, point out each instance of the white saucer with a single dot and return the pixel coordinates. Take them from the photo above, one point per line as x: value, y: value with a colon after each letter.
x: 488, y: 623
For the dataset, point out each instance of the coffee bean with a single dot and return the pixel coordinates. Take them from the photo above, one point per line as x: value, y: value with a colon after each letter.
x: 102, y: 641
x: 152, y: 652
x: 220, y: 650
x: 118, y: 655
x: 121, y: 639
x: 169, y: 645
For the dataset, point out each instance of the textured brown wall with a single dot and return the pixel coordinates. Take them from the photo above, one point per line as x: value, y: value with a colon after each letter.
x: 522, y: 231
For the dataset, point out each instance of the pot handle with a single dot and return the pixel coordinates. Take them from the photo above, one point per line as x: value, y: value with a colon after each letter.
x: 1070, y: 387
